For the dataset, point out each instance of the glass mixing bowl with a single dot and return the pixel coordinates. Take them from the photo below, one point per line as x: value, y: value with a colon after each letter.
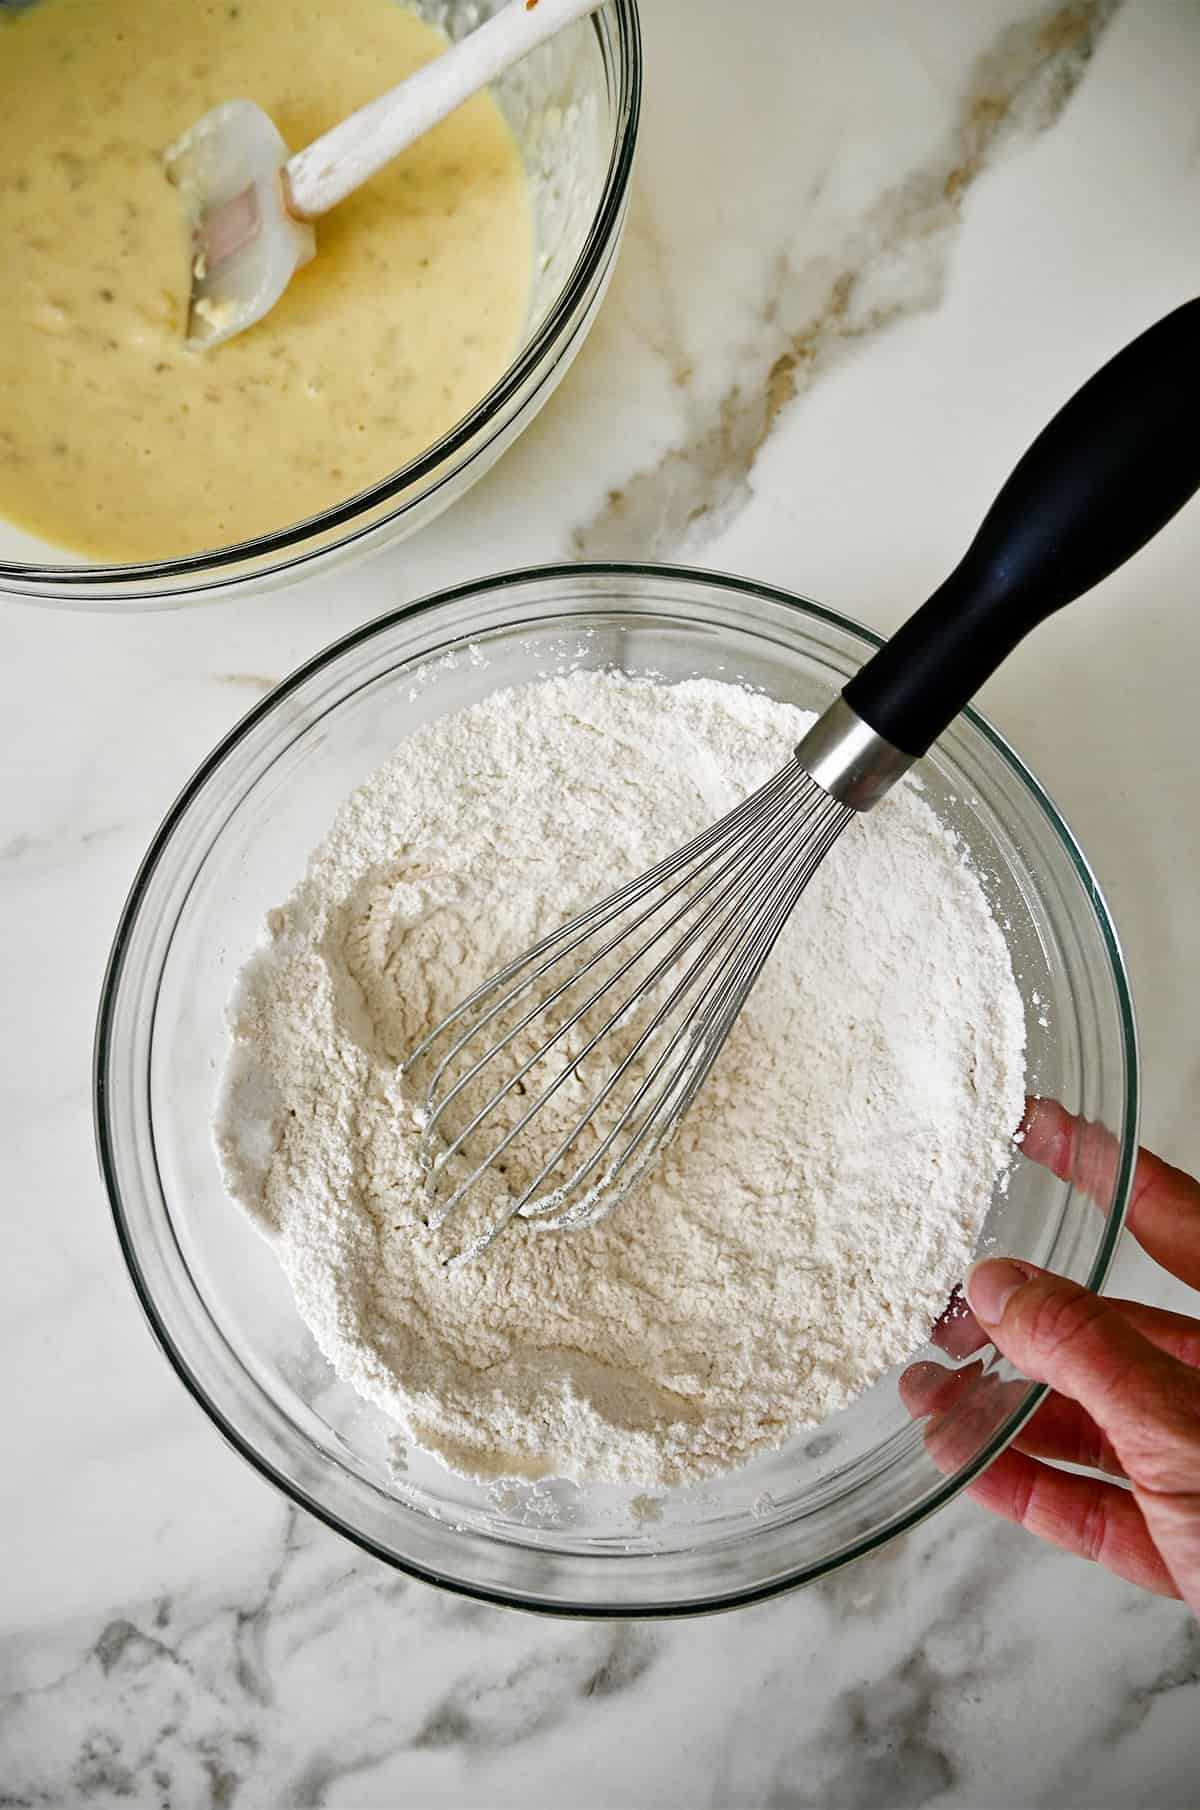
x: 573, y: 105
x: 235, y: 844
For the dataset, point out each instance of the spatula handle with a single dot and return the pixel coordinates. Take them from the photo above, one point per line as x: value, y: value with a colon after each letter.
x: 342, y: 159
x: 1111, y: 468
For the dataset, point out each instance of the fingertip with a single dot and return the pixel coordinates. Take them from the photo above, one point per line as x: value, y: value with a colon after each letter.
x: 991, y: 1283
x: 1047, y: 1136
x: 921, y: 1385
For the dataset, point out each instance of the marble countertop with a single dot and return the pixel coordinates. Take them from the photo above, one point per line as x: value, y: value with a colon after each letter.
x: 872, y: 246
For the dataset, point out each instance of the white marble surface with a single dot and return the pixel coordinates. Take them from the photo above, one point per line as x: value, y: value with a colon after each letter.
x: 874, y: 243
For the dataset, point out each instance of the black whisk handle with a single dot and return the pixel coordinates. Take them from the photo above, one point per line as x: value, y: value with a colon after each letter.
x: 1112, y: 467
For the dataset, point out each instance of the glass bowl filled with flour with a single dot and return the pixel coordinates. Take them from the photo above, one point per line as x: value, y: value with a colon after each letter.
x: 447, y: 298
x: 701, y: 1399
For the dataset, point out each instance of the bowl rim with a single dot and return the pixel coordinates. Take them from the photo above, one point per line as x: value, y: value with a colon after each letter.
x: 114, y: 971
x: 193, y: 568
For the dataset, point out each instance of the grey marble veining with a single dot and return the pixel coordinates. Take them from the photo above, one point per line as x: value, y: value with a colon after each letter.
x: 879, y: 263
x: 325, y: 1681
x: 872, y: 244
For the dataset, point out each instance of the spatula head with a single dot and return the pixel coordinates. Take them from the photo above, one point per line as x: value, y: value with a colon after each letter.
x: 244, y: 243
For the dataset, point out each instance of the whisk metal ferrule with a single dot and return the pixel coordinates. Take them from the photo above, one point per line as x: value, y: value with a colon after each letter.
x: 850, y: 760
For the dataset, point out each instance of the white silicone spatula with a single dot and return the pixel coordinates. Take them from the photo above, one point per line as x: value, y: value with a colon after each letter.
x: 251, y: 205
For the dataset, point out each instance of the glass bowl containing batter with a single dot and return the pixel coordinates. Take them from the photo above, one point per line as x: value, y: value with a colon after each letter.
x: 232, y: 849
x: 446, y: 301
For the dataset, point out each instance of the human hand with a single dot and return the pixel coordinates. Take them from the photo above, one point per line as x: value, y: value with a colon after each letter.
x: 1126, y: 1382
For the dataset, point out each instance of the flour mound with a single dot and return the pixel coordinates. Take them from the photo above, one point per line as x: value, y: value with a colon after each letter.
x: 826, y: 1191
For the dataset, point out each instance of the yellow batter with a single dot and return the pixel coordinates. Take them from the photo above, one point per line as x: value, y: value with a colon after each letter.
x: 117, y: 442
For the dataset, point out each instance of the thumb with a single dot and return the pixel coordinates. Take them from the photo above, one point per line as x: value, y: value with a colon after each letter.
x: 1056, y: 1332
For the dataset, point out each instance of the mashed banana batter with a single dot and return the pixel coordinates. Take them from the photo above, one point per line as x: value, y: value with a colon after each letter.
x: 118, y: 443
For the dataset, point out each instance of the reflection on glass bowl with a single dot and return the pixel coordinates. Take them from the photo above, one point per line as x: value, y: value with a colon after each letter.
x: 234, y: 845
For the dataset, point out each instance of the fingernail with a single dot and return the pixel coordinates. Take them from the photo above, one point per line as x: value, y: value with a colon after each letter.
x: 991, y: 1283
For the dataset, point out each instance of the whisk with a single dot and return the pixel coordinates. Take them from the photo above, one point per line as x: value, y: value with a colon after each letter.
x: 550, y: 1088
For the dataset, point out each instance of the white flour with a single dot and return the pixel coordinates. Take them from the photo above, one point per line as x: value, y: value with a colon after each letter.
x: 826, y: 1191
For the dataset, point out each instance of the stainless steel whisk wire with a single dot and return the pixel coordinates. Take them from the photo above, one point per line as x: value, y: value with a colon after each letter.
x: 765, y: 851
